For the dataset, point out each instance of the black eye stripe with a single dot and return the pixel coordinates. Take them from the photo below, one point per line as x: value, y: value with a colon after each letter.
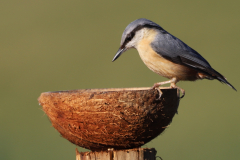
x: 132, y: 34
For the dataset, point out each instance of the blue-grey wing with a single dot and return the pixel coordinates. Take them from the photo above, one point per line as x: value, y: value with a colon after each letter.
x: 173, y: 49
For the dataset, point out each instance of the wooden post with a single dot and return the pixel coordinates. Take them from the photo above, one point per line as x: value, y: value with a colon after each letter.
x: 128, y: 154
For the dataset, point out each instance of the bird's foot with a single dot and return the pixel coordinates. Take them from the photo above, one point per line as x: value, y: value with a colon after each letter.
x: 173, y: 85
x: 156, y: 86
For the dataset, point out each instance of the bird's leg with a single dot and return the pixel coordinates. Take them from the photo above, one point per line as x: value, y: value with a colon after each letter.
x: 156, y: 85
x: 173, y: 85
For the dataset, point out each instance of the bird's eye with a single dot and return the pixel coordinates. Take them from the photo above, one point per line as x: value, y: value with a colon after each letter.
x: 130, y: 36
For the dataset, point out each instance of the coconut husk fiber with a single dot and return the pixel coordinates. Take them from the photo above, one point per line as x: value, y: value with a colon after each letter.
x: 121, y: 118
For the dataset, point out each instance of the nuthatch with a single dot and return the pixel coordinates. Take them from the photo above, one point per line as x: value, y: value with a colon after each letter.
x: 166, y: 55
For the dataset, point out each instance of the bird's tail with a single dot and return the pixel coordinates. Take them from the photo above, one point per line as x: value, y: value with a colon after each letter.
x: 222, y: 79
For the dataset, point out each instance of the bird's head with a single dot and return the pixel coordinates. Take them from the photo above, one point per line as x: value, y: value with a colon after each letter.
x: 134, y: 33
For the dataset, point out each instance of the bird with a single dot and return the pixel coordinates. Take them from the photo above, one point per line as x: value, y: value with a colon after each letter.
x: 166, y: 55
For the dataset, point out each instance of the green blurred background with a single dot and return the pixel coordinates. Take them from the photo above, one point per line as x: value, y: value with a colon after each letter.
x: 63, y: 45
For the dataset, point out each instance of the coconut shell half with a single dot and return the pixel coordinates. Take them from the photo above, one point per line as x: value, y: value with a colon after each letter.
x: 120, y: 118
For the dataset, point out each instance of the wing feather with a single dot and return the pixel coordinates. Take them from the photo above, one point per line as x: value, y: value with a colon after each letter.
x: 173, y: 49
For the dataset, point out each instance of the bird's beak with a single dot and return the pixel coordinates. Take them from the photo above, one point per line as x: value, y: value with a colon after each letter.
x: 119, y: 52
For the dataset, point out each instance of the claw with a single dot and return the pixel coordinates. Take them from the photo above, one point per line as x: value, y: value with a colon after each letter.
x: 183, y: 94
x: 173, y: 85
x: 156, y: 86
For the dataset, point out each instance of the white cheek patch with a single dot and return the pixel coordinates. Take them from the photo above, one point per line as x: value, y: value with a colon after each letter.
x: 139, y: 35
